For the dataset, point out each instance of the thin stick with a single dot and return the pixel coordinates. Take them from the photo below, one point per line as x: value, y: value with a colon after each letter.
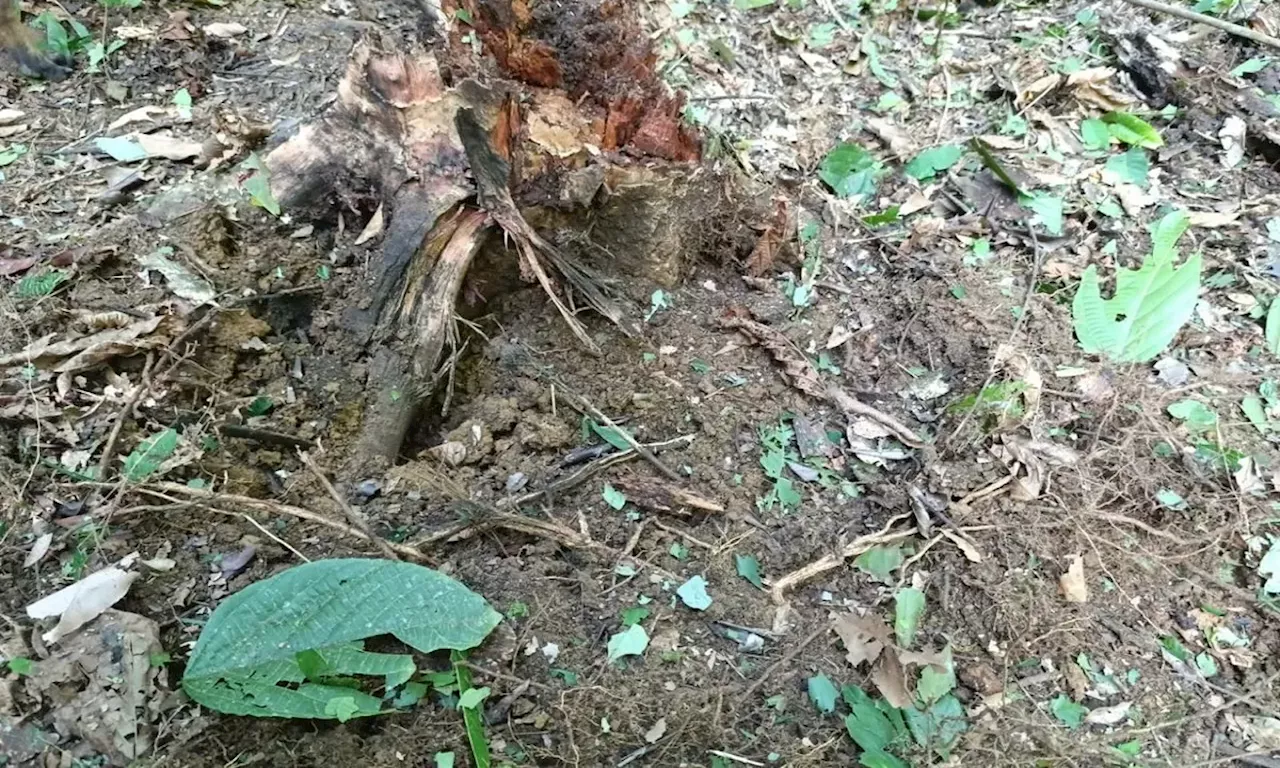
x: 639, y: 448
x: 144, y: 386
x: 258, y: 504
x: 786, y: 657
x: 274, y: 537
x: 353, y: 516
x: 1200, y: 18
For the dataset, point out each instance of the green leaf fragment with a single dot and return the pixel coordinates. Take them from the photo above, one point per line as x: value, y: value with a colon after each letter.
x: 1150, y: 305
x: 693, y: 593
x: 908, y: 610
x: 1131, y: 167
x: 631, y: 641
x: 1048, y: 211
x: 749, y: 569
x: 823, y: 693
x: 931, y: 162
x: 1273, y: 327
x: 1068, y: 712
x: 850, y: 170
x: 258, y: 184
x: 149, y: 455
x: 1194, y: 415
x: 613, y: 497
x: 1132, y: 129
x: 120, y: 149
x: 880, y: 562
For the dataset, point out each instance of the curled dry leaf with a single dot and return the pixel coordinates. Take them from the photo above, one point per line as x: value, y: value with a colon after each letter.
x: 772, y: 241
x: 38, y: 550
x: 658, y: 730
x: 224, y: 29
x: 372, y: 229
x: 796, y: 368
x: 1109, y: 715
x: 83, y: 601
x: 1074, y: 587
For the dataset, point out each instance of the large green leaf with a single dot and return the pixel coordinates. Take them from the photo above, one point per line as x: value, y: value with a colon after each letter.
x: 272, y: 649
x: 1150, y: 305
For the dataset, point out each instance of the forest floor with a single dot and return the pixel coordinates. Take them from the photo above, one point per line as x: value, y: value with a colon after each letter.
x: 1095, y: 546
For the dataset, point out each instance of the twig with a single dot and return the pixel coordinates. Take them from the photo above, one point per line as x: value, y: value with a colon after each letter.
x: 786, y: 657
x: 1200, y: 18
x: 274, y: 537
x: 577, y: 478
x: 258, y: 504
x: 144, y: 386
x: 850, y: 404
x: 639, y: 448
x: 353, y: 516
x: 829, y: 562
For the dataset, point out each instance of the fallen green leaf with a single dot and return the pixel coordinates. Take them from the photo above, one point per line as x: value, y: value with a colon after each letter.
x: 850, y: 170
x: 880, y: 562
x: 931, y: 162
x: 1150, y: 305
x: 749, y: 569
x: 631, y: 641
x: 1131, y: 129
x: 613, y: 497
x: 246, y: 661
x: 693, y: 593
x: 1067, y: 711
x: 149, y: 455
x: 908, y: 610
x: 823, y: 694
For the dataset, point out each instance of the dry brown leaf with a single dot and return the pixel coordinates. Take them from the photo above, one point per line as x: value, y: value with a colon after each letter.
x: 168, y: 147
x: 796, y: 368
x: 771, y: 242
x: 864, y: 637
x: 893, y: 136
x: 967, y: 547
x: 1074, y: 587
x: 891, y: 679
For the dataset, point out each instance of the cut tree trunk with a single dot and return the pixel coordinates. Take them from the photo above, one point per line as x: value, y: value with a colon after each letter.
x: 584, y: 189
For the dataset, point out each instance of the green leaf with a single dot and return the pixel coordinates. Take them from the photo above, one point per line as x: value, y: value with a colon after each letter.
x: 1048, y: 211
x: 908, y: 609
x: 258, y: 184
x: 939, y: 726
x: 1269, y: 569
x: 880, y: 760
x: 21, y: 666
x: 472, y: 718
x: 1207, y: 665
x: 247, y: 653
x: 751, y: 5
x: 1150, y: 305
x: 444, y: 760
x: 10, y: 154
x: 822, y: 35
x: 613, y: 497
x: 1095, y: 135
x: 880, y: 562
x: 634, y: 615
x: 1194, y: 415
x: 182, y: 101
x: 1251, y: 66
x: 823, y: 694
x: 1131, y: 167
x: 931, y: 162
x: 749, y: 569
x: 1256, y: 412
x: 937, y: 681
x: 149, y: 455
x: 40, y: 284
x: 887, y: 216
x: 472, y: 698
x: 1170, y: 498
x: 1069, y: 712
x: 1132, y: 129
x: 631, y: 641
x: 850, y: 170
x: 1273, y: 327
x: 868, y: 724
x: 121, y: 149
x: 611, y: 435
x: 693, y: 593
